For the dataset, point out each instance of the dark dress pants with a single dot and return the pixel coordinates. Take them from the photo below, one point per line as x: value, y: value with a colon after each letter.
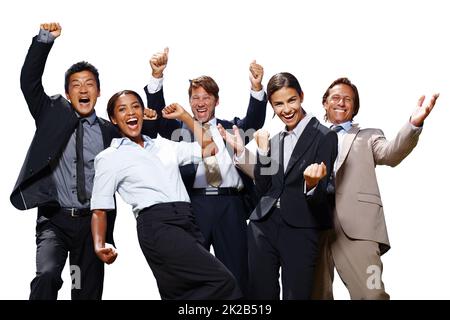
x: 222, y: 221
x: 273, y: 244
x: 58, y: 234
x: 183, y: 268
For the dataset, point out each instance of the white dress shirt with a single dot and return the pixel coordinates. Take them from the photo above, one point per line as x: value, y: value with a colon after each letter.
x: 142, y: 176
x: 229, y: 173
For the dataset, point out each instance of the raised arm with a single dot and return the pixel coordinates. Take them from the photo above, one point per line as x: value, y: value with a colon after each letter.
x: 262, y: 172
x: 201, y: 133
x: 154, y: 90
x: 244, y: 159
x: 256, y: 110
x: 155, y: 94
x: 392, y: 152
x: 33, y: 68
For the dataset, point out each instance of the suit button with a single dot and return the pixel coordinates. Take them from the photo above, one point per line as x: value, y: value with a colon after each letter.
x: 31, y: 170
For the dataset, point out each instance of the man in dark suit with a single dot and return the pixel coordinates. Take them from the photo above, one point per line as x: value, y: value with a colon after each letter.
x: 57, y: 173
x: 221, y: 196
x: 292, y: 179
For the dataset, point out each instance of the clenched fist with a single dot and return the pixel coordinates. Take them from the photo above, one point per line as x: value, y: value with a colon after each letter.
x: 313, y: 173
x: 150, y: 114
x: 262, y: 139
x: 256, y: 75
x: 173, y: 111
x: 158, y: 62
x: 53, y: 27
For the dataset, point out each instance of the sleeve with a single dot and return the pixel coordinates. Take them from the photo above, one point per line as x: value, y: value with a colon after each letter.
x: 45, y: 36
x: 393, y: 152
x: 263, y: 171
x: 258, y: 95
x: 246, y: 162
x: 185, y: 152
x: 155, y: 100
x: 255, y: 116
x: 105, y: 184
x: 31, y: 77
x: 155, y: 85
x: 327, y: 153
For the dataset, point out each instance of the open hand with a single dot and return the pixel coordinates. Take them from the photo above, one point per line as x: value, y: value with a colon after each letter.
x: 421, y: 113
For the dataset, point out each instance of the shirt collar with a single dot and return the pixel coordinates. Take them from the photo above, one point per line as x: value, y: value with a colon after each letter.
x: 297, y: 131
x: 213, y: 122
x: 91, y: 119
x: 345, y: 125
x: 117, y: 142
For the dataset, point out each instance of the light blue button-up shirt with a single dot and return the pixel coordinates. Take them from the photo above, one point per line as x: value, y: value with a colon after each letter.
x: 142, y: 176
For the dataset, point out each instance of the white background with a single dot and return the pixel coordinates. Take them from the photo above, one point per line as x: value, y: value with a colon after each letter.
x: 394, y: 51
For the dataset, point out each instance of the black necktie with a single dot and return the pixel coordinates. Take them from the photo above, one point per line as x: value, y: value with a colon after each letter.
x: 337, y: 128
x: 81, y: 187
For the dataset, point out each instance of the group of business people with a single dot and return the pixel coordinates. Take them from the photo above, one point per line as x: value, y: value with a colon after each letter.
x: 192, y: 184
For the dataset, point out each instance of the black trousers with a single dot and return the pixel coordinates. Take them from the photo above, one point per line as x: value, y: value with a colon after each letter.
x: 183, y: 268
x: 222, y: 221
x: 57, y: 235
x: 273, y: 244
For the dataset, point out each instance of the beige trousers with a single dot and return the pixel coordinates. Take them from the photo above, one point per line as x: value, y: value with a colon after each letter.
x: 357, y: 262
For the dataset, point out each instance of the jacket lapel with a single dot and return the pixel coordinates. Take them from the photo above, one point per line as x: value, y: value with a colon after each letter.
x: 303, y: 143
x: 108, y: 130
x: 346, y: 145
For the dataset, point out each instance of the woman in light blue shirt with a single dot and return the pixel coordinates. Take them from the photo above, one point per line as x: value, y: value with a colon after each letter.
x: 145, y: 173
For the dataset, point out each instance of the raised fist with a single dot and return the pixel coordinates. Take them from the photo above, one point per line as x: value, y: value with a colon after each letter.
x: 256, y: 75
x: 173, y: 111
x: 262, y: 139
x: 150, y: 114
x: 53, y: 27
x: 158, y: 62
x: 313, y: 174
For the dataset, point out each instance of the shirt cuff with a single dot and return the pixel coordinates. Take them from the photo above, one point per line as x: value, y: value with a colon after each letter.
x: 310, y: 192
x: 155, y: 84
x: 102, y: 203
x: 258, y: 95
x: 239, y: 158
x: 262, y: 153
x: 45, y: 36
x: 414, y: 127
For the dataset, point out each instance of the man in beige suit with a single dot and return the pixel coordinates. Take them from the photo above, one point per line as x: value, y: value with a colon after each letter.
x: 359, y: 238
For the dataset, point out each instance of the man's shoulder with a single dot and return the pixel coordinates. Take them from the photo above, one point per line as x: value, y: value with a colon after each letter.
x: 370, y: 132
x: 59, y: 99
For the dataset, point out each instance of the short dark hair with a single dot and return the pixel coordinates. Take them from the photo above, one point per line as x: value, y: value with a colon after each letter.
x: 282, y: 80
x: 78, y: 67
x: 347, y: 82
x: 206, y: 83
x: 112, y: 101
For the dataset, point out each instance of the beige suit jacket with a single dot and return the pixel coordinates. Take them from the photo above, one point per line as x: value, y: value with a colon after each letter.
x: 358, y: 203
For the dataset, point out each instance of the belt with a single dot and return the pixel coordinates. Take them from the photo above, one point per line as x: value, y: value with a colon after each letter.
x: 76, y: 212
x: 214, y: 192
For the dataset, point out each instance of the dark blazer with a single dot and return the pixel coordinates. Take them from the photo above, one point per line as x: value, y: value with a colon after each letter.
x: 55, y: 121
x: 316, y: 144
x: 254, y: 119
